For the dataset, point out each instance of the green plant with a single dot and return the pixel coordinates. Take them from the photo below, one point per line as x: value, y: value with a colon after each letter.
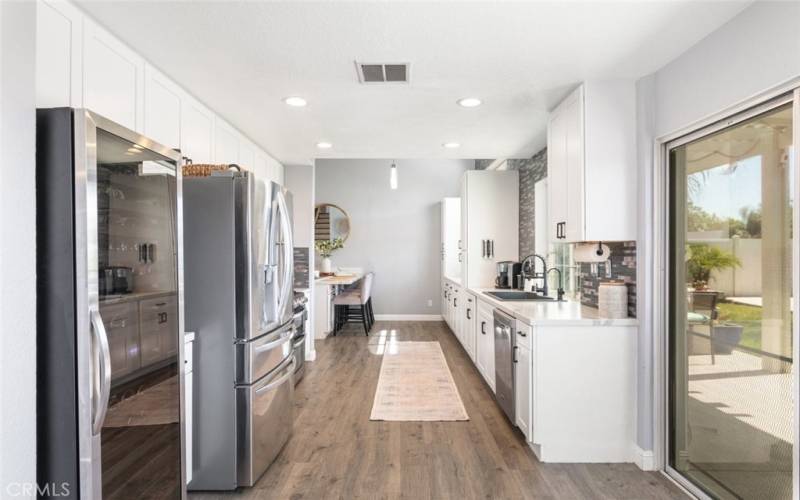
x: 703, y: 259
x: 325, y: 248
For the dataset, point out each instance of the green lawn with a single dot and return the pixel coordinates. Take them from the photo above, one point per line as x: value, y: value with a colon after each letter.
x: 747, y: 316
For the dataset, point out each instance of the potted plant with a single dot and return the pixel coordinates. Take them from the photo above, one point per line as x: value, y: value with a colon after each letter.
x: 703, y: 259
x: 325, y: 249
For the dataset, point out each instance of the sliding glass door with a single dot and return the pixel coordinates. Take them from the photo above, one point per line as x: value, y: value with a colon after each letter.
x: 730, y: 333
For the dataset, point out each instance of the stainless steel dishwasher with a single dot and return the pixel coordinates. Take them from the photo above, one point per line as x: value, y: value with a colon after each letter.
x: 504, y: 362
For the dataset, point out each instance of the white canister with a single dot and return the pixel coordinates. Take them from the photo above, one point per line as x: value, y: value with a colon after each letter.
x: 613, y: 299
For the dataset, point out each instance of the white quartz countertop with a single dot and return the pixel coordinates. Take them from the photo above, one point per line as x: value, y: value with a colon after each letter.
x: 550, y: 312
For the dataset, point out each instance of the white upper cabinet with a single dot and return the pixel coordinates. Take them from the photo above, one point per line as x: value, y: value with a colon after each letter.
x: 451, y: 238
x: 197, y: 131
x: 162, y: 112
x: 591, y: 164
x: 489, y: 224
x: 59, y: 28
x: 113, y: 78
x: 79, y: 64
x: 226, y: 142
x: 247, y: 155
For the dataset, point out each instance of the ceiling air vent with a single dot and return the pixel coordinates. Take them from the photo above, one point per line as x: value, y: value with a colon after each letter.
x: 383, y: 73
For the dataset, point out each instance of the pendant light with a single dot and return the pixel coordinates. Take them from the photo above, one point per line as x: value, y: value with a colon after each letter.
x: 393, y: 176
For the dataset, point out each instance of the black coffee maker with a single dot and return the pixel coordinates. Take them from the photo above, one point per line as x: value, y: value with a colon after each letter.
x: 507, y: 272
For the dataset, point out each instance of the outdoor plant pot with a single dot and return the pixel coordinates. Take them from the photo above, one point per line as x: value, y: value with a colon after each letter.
x: 726, y: 337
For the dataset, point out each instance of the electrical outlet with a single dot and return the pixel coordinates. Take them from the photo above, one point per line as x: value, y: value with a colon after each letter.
x: 430, y: 302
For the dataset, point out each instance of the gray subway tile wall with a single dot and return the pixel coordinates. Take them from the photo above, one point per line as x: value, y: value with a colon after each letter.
x: 622, y: 267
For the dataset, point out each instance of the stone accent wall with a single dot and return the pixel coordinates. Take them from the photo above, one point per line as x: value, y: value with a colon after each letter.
x: 531, y: 171
x: 301, y: 271
x: 623, y: 267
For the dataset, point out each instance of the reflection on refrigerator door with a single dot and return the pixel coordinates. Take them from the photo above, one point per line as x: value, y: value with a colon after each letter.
x: 109, y: 320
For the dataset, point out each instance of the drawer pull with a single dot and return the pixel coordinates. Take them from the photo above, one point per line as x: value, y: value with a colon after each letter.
x: 522, y: 334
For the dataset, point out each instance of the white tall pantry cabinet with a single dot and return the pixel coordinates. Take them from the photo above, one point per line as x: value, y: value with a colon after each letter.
x: 489, y: 224
x: 451, y: 238
x: 591, y: 164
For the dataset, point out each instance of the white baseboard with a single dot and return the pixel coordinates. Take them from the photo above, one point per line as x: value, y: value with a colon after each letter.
x: 645, y: 459
x: 408, y: 317
x: 311, y: 356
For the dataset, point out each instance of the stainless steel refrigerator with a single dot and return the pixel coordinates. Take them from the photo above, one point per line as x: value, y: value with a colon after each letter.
x: 109, y: 313
x: 239, y: 303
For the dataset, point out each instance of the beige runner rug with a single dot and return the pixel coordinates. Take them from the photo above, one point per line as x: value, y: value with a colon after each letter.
x: 415, y: 384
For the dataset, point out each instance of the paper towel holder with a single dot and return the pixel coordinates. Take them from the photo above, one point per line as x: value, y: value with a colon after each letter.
x: 599, y: 250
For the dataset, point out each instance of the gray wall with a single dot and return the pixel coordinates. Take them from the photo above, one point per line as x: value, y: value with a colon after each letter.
x: 755, y: 51
x: 396, y: 234
x: 17, y: 244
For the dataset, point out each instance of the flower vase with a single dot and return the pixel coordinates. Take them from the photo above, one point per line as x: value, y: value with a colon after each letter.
x: 326, y: 265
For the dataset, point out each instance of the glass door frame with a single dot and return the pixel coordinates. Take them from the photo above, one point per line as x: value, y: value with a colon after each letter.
x: 85, y: 126
x: 789, y: 93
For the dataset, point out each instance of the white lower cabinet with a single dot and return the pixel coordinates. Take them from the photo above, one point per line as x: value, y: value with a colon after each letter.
x: 484, y: 344
x: 470, y: 316
x: 523, y: 382
x: 323, y: 306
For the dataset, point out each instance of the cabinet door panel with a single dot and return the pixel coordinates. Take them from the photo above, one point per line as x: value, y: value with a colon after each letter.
x: 113, y: 78
x: 162, y: 118
x: 197, y: 131
x: 59, y: 60
x: 522, y: 388
x: 157, y: 331
x: 574, y: 171
x: 226, y: 143
x: 247, y: 155
x: 122, y: 327
x: 557, y: 176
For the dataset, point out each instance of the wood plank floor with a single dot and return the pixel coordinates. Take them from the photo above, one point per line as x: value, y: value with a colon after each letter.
x: 337, y: 452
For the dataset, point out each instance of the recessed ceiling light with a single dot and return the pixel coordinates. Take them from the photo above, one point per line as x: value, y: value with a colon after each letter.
x: 324, y: 145
x: 469, y: 102
x: 294, y: 101
x: 451, y: 145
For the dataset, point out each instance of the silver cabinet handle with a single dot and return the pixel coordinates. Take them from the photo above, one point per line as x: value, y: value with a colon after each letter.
x: 291, y: 362
x: 104, y: 356
x: 269, y: 345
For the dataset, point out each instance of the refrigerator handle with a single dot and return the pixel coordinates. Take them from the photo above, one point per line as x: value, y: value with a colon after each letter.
x: 101, y: 403
x: 288, y: 257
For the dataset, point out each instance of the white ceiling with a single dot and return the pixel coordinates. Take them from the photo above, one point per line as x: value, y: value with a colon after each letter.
x: 242, y: 58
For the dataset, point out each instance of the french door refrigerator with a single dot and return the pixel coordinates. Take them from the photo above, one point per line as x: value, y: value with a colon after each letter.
x: 239, y: 304
x: 109, y: 310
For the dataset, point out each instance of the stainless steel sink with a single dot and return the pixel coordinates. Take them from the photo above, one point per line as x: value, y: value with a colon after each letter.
x: 518, y: 295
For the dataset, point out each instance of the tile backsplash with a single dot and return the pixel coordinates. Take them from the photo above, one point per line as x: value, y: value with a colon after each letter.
x: 301, y: 271
x: 622, y: 267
